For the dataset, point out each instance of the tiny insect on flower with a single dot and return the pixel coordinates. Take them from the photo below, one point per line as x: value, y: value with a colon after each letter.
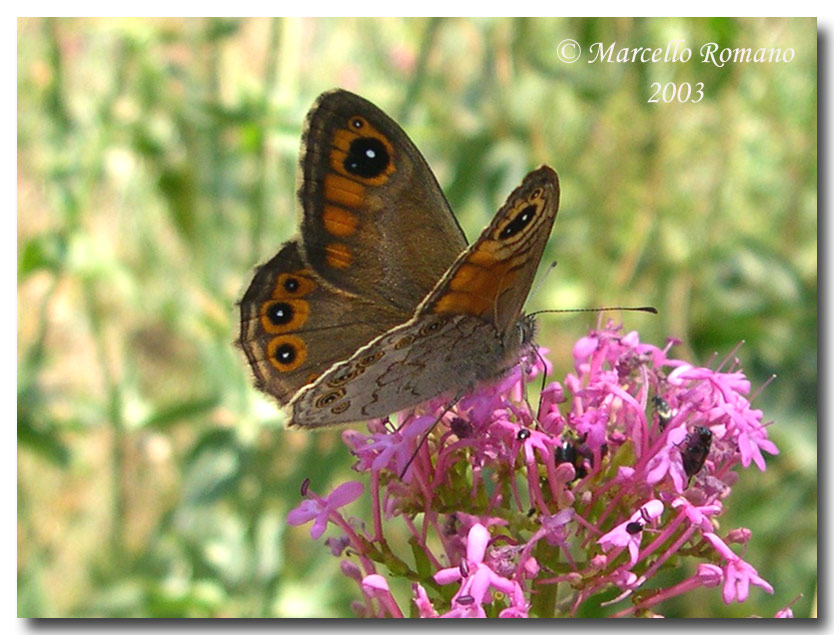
x: 695, y: 452
x: 663, y: 411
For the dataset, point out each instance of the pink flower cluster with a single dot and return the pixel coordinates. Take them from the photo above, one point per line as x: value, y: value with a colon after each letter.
x: 518, y: 511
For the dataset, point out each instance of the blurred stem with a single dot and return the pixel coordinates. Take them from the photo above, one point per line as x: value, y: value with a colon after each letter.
x: 33, y: 358
x: 426, y: 47
x: 75, y: 189
x: 259, y: 192
x: 114, y: 412
x: 216, y: 222
x: 54, y: 93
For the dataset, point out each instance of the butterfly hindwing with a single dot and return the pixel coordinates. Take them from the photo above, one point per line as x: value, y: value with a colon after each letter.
x: 294, y: 327
x: 402, y: 368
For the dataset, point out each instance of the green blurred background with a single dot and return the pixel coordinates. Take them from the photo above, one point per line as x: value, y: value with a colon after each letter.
x: 156, y: 168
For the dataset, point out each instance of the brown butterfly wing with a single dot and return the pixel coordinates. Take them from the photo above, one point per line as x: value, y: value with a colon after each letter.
x: 492, y: 278
x: 375, y: 222
x: 468, y: 329
x: 411, y: 363
x: 293, y: 326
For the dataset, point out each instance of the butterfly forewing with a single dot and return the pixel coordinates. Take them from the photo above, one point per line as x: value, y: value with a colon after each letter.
x: 366, y: 195
x: 493, y: 276
x: 375, y: 223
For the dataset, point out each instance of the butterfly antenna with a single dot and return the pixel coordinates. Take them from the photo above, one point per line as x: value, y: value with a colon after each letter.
x: 541, y: 281
x: 643, y: 309
x: 426, y: 435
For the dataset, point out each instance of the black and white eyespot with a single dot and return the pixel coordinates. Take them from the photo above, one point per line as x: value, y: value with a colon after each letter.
x: 280, y: 313
x: 521, y: 220
x: 285, y: 354
x: 367, y: 157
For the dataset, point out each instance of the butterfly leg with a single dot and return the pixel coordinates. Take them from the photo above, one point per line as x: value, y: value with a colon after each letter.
x: 544, y: 383
x: 425, y: 436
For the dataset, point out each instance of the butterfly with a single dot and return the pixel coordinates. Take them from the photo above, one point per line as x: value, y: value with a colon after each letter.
x: 379, y: 305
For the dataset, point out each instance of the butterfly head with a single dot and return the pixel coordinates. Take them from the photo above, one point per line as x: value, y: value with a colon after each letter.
x: 528, y: 328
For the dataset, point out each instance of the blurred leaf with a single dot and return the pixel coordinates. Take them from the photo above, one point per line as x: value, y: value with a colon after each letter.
x: 39, y: 437
x: 210, y: 477
x: 172, y: 414
x: 44, y: 251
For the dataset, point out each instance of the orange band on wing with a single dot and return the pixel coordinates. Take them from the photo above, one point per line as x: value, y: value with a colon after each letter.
x: 487, y: 254
x: 338, y: 255
x: 474, y: 289
x: 462, y: 302
x: 343, y: 191
x: 339, y: 221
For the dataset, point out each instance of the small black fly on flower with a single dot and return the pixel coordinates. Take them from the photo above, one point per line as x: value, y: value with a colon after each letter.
x: 634, y: 527
x: 461, y: 427
x: 568, y: 452
x: 695, y: 452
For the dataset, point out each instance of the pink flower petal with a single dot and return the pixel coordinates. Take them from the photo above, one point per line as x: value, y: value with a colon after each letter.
x: 447, y: 576
x: 305, y: 512
x: 375, y: 582
x: 477, y: 542
x: 345, y: 493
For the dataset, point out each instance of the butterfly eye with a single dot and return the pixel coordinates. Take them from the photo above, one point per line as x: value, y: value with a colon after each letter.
x: 337, y: 410
x: 292, y: 286
x: 281, y: 317
x: 432, y: 327
x: 285, y: 354
x: 345, y: 376
x: 370, y: 359
x: 523, y: 434
x: 403, y: 342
